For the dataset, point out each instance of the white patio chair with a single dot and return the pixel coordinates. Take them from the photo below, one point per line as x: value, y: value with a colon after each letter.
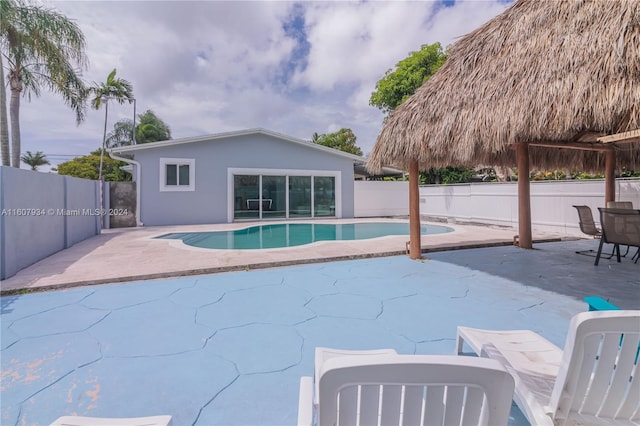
x: 409, y: 390
x: 104, y: 421
x: 594, y: 380
x: 323, y: 354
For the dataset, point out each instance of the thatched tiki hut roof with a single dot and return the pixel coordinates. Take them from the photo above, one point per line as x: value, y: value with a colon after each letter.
x: 545, y: 71
x: 545, y: 74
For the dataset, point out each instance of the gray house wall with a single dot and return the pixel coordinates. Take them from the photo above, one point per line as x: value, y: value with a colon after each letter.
x: 209, y: 202
x: 34, y: 223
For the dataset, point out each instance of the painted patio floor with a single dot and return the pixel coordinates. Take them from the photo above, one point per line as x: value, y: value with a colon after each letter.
x: 230, y: 348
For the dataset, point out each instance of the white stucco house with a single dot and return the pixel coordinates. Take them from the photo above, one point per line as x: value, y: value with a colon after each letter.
x: 253, y: 174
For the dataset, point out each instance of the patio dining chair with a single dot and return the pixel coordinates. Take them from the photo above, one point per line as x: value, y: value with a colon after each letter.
x: 588, y: 226
x: 595, y: 380
x: 619, y: 205
x: 619, y: 227
x: 407, y: 389
x: 586, y: 222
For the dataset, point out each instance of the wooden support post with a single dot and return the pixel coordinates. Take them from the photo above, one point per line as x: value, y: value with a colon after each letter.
x: 610, y: 176
x: 415, y: 249
x: 524, y: 197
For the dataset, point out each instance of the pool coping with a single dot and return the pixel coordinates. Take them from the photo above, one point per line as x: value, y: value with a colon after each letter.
x: 264, y: 265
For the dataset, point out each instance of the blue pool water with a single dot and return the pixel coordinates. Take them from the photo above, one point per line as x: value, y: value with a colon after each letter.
x: 296, y: 234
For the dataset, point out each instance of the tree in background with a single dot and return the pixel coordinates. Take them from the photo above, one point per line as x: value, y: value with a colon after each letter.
x: 410, y: 73
x: 34, y: 160
x: 151, y: 128
x: 116, y: 89
x: 88, y: 167
x: 446, y: 175
x: 399, y: 84
x: 622, y: 172
x: 121, y: 135
x: 43, y: 49
x: 343, y: 139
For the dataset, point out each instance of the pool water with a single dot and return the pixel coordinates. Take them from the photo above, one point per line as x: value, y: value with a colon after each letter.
x: 296, y: 234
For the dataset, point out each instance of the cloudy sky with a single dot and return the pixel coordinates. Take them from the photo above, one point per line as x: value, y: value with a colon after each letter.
x: 215, y: 66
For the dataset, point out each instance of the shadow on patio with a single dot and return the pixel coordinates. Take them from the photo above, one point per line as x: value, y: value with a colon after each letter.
x: 556, y: 267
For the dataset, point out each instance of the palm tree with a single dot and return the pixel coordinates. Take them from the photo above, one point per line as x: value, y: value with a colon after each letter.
x: 34, y: 160
x: 4, y: 128
x: 43, y: 48
x: 6, y: 9
x: 114, y: 88
x: 151, y: 128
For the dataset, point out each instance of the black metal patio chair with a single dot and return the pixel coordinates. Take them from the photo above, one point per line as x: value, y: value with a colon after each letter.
x: 619, y: 227
x: 588, y: 226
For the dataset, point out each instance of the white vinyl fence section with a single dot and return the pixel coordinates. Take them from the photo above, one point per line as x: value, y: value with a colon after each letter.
x: 42, y: 213
x: 494, y: 203
x: 380, y: 198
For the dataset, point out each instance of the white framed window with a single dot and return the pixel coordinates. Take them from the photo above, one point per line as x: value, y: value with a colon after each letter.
x: 177, y: 174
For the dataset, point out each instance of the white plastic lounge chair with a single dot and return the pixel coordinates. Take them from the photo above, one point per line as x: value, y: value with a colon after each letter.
x: 103, y: 421
x: 409, y: 390
x: 593, y: 381
x: 323, y: 354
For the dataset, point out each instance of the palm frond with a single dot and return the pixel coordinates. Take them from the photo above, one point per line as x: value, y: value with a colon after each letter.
x: 117, y: 89
x: 44, y: 48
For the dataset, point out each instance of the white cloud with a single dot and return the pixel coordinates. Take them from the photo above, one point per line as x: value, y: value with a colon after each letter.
x: 354, y: 44
x: 212, y: 66
x: 351, y: 42
x: 450, y: 23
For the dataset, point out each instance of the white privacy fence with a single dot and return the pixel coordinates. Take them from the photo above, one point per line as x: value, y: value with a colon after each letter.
x: 494, y: 203
x: 380, y: 198
x: 42, y: 213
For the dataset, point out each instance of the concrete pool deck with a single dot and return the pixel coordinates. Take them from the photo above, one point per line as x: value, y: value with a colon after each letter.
x: 119, y: 255
x: 230, y: 348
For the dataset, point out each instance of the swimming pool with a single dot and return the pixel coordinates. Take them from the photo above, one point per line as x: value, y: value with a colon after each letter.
x: 295, y: 234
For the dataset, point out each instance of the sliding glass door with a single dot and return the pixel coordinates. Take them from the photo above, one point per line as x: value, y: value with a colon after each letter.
x: 299, y: 196
x: 274, y: 202
x: 324, y: 193
x: 247, y: 197
x: 261, y: 196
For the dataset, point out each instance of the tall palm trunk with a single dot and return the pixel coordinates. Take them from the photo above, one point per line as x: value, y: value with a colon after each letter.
x: 4, y: 121
x: 15, y: 82
x: 104, y: 138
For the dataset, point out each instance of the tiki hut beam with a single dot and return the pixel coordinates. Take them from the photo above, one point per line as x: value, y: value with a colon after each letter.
x: 610, y: 176
x: 625, y: 137
x: 525, y: 239
x: 572, y: 145
x: 415, y: 248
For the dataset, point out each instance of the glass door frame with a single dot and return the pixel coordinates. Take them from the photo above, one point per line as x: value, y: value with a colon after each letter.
x: 232, y: 171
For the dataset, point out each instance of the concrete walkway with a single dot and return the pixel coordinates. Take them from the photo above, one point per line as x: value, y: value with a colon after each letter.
x: 120, y: 255
x: 230, y: 348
